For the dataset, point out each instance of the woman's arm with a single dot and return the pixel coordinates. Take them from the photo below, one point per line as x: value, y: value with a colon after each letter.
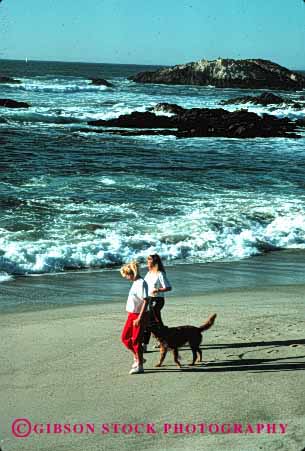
x: 165, y: 285
x: 142, y: 311
x: 162, y: 289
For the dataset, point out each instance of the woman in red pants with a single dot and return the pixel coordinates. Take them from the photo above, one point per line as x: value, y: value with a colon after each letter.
x: 132, y: 334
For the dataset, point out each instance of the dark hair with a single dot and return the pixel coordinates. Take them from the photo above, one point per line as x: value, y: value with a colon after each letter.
x: 156, y: 259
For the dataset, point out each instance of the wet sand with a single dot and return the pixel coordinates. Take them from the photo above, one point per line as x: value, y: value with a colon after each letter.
x: 67, y: 365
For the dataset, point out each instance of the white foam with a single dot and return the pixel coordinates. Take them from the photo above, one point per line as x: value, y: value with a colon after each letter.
x: 284, y: 111
x: 199, y: 234
x: 107, y: 181
x: 68, y: 115
x: 58, y: 86
x: 5, y: 277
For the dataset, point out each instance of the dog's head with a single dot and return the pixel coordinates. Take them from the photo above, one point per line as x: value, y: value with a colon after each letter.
x: 159, y: 330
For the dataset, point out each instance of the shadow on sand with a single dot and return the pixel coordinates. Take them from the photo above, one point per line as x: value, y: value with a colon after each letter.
x: 254, y: 365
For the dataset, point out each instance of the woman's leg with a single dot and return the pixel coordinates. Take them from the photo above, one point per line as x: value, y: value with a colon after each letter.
x: 157, y: 310
x: 137, y: 338
x: 126, y: 336
x: 147, y: 332
x: 154, y: 317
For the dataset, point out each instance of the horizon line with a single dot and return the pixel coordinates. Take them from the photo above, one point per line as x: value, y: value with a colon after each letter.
x: 35, y: 60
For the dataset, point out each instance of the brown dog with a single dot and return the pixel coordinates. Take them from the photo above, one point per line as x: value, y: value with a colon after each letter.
x: 175, y: 337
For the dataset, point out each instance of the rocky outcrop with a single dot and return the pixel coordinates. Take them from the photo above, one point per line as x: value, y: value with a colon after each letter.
x: 227, y: 73
x: 201, y: 122
x: 137, y: 120
x: 9, y: 103
x: 238, y: 124
x: 9, y: 80
x: 170, y: 108
x: 101, y: 82
x: 300, y: 123
x: 267, y: 98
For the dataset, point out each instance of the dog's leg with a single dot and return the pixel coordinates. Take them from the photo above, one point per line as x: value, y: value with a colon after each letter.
x: 194, y: 351
x: 199, y: 352
x: 176, y: 357
x: 163, y: 352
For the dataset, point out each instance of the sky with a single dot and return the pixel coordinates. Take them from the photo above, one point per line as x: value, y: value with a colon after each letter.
x: 164, y: 32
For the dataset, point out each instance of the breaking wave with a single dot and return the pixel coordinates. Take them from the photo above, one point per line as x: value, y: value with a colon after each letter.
x: 196, y: 237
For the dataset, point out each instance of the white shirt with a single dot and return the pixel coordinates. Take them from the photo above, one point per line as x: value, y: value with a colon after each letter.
x: 156, y: 280
x: 137, y: 293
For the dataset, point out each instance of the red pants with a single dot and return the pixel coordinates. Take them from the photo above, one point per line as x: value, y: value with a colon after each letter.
x: 132, y: 336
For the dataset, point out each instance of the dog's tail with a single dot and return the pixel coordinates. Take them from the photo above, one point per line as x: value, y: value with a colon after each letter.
x: 208, y: 323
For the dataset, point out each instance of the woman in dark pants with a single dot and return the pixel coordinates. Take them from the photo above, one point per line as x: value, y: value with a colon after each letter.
x: 158, y: 284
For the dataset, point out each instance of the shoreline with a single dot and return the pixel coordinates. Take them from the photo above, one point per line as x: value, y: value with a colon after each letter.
x: 49, y: 291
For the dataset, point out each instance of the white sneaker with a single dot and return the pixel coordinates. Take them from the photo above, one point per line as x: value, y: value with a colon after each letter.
x: 135, y: 363
x: 137, y: 370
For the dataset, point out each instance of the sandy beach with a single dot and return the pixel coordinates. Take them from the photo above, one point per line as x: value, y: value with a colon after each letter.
x: 67, y: 366
x: 166, y: 133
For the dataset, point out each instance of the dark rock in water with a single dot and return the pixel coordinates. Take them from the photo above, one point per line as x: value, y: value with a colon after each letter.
x: 265, y: 248
x: 298, y: 106
x: 9, y: 103
x: 171, y: 108
x: 204, y: 122
x: 300, y: 122
x: 237, y: 124
x: 9, y: 80
x: 267, y: 98
x: 227, y: 73
x: 93, y: 227
x: 101, y: 82
x: 137, y: 120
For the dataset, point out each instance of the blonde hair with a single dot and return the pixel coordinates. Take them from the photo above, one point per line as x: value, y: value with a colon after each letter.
x: 131, y: 268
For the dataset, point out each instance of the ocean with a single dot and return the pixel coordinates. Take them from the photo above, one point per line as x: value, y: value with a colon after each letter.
x: 80, y: 201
